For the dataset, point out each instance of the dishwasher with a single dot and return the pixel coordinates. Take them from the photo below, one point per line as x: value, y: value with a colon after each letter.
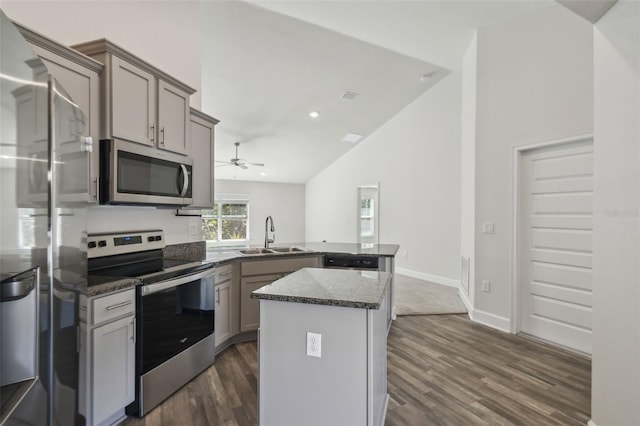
x: 350, y: 261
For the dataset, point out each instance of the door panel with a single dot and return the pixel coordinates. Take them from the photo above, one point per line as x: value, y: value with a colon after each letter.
x: 555, y: 234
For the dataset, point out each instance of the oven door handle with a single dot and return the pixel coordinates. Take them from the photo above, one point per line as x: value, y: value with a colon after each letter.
x: 175, y: 282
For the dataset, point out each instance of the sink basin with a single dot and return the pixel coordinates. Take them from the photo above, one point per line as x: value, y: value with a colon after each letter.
x: 285, y: 249
x: 255, y: 251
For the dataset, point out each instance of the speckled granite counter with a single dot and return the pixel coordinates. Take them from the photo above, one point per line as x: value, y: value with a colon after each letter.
x: 335, y: 287
x: 376, y: 250
x: 100, y: 284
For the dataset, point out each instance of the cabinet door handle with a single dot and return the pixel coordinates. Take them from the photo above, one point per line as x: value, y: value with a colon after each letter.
x: 162, y: 135
x: 133, y: 332
x: 218, y: 296
x: 118, y: 305
x: 153, y: 132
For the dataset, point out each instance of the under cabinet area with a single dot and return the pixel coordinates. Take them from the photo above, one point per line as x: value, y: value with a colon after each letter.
x: 107, y: 356
x: 255, y: 274
x: 140, y: 103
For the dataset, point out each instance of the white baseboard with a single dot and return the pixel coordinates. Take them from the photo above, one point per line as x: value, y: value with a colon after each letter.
x: 591, y: 423
x: 428, y: 277
x: 465, y: 299
x: 491, y: 320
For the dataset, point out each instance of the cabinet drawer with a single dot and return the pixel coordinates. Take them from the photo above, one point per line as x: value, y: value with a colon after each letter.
x: 278, y: 266
x: 223, y: 273
x: 113, y: 306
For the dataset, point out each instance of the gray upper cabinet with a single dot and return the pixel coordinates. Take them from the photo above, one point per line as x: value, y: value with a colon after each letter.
x: 173, y: 118
x: 79, y: 75
x: 202, y: 148
x: 140, y: 102
x: 133, y: 101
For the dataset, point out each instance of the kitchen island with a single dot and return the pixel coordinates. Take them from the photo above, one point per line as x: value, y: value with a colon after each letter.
x: 338, y: 374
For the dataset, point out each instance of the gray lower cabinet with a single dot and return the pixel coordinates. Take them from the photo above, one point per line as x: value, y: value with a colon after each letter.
x: 107, y: 357
x: 255, y: 274
x: 250, y: 308
x: 224, y: 306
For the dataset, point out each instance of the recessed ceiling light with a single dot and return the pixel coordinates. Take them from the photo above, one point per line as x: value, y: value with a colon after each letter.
x: 263, y: 173
x: 352, y: 137
x: 428, y: 76
x: 314, y: 114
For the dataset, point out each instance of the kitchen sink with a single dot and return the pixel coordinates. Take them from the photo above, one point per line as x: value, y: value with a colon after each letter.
x: 272, y: 250
x: 285, y: 249
x: 255, y: 251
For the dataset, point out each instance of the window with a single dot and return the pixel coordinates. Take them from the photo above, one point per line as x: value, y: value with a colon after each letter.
x: 227, y: 223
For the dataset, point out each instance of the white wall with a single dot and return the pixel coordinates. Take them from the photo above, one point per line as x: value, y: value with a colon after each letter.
x: 416, y: 158
x: 163, y: 33
x: 616, y: 305
x: 534, y: 83
x: 284, y: 202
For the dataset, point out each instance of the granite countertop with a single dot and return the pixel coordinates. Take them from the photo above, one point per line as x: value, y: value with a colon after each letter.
x: 334, y: 287
x: 375, y: 250
x: 100, y: 284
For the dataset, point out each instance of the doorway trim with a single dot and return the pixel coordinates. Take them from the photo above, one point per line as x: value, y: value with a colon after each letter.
x: 518, y: 151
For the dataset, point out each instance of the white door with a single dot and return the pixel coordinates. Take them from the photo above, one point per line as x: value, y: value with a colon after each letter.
x: 555, y: 244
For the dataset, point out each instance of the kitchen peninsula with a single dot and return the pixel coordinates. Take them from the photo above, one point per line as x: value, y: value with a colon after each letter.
x: 322, y: 348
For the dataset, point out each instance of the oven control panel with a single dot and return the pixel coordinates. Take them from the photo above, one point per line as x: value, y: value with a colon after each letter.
x: 99, y: 245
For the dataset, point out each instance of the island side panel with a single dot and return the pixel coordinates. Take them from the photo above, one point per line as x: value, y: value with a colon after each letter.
x: 377, y: 351
x: 296, y: 389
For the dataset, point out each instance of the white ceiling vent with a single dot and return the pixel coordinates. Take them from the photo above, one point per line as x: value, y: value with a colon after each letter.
x: 352, y: 137
x: 349, y: 96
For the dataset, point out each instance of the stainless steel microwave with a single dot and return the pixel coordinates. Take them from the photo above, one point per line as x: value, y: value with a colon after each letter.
x: 135, y: 174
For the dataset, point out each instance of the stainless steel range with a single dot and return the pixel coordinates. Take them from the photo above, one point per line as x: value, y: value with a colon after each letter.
x: 174, y: 311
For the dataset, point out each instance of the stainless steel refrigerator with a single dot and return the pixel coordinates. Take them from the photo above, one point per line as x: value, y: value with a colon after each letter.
x: 43, y: 216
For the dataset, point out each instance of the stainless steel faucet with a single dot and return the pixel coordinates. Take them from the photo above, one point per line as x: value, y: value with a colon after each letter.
x: 268, y: 240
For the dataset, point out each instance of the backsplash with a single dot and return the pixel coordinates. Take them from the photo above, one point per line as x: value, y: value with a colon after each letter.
x: 138, y: 218
x: 196, y: 250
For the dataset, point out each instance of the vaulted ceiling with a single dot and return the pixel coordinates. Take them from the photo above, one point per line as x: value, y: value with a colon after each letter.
x: 267, y: 64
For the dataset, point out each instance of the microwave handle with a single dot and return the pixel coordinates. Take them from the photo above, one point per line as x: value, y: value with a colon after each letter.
x: 185, y: 180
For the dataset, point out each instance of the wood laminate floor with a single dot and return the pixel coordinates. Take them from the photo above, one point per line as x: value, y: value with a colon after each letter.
x: 442, y: 370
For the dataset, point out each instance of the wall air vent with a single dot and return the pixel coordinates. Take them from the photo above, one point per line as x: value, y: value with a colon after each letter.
x: 349, y: 96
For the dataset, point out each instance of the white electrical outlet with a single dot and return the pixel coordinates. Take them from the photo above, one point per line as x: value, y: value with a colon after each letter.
x: 486, y: 286
x: 488, y: 228
x: 314, y: 344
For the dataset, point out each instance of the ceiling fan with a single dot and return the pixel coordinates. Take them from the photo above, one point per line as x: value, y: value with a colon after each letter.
x: 238, y: 162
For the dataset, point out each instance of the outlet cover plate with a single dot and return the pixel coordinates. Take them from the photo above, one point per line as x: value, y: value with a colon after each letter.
x: 314, y: 344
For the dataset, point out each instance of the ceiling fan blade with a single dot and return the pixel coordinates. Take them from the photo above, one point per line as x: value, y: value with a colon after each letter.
x: 223, y: 165
x: 256, y: 164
